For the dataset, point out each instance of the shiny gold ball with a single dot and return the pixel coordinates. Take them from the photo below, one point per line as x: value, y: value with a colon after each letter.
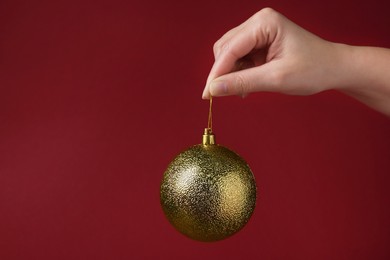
x: 208, y: 192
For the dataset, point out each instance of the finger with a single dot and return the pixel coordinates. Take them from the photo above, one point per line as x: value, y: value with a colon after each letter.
x: 228, y: 53
x: 226, y: 37
x: 241, y: 64
x: 258, y: 32
x: 217, y: 50
x: 262, y: 78
x: 254, y: 34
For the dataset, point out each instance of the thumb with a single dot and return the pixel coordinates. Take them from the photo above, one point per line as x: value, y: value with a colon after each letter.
x: 243, y: 82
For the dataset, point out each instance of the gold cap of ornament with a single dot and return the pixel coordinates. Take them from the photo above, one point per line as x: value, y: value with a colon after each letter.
x: 208, y: 137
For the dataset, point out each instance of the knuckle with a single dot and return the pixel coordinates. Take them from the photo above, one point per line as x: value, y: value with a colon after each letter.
x: 267, y: 14
x: 220, y: 46
x: 216, y: 46
x: 241, y: 84
x: 266, y: 22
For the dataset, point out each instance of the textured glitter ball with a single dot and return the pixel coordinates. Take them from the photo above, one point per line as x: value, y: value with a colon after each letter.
x: 208, y: 192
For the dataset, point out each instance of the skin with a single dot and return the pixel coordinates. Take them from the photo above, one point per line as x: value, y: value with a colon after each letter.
x: 268, y: 52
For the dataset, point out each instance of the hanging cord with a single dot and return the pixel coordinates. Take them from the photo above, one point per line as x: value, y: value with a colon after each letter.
x: 208, y: 136
x: 210, y: 122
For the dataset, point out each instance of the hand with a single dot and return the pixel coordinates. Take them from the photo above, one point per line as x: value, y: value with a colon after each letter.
x: 268, y: 52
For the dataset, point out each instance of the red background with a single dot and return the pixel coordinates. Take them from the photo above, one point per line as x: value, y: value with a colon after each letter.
x: 96, y: 98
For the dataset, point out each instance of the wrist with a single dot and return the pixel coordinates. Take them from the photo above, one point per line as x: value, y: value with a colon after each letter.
x: 363, y: 74
x: 343, y: 69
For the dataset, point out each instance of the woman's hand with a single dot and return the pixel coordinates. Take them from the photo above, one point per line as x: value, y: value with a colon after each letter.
x: 268, y: 52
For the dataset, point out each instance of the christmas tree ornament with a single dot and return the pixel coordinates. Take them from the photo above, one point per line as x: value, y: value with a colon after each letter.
x: 208, y: 192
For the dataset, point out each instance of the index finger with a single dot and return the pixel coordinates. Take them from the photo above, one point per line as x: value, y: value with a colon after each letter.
x: 255, y: 33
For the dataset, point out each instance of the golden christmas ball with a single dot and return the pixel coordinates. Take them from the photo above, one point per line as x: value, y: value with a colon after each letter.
x: 208, y: 192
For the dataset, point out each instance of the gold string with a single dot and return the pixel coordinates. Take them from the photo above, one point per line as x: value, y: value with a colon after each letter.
x: 210, y: 122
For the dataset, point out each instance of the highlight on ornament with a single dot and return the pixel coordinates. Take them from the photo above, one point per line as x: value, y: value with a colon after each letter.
x: 208, y: 192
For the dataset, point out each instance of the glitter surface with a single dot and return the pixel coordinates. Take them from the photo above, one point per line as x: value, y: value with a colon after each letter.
x: 208, y: 192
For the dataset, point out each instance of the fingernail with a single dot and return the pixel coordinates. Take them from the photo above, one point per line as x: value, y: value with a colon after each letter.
x: 218, y: 88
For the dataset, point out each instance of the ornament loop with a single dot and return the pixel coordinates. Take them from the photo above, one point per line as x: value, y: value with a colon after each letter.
x: 210, y: 122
